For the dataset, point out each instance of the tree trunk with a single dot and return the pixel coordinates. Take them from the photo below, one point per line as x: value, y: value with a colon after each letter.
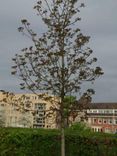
x: 62, y: 142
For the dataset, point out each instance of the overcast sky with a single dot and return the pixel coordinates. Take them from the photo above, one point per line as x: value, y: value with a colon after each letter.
x: 99, y: 20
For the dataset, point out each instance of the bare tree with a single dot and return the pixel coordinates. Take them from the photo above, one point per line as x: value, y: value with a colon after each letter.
x: 59, y: 61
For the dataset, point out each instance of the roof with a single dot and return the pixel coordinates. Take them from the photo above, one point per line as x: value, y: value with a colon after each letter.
x: 103, y: 106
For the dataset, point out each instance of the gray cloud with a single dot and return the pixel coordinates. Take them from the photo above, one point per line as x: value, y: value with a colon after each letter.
x: 98, y: 21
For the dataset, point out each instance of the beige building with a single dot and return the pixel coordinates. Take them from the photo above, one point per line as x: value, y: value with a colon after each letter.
x: 37, y: 112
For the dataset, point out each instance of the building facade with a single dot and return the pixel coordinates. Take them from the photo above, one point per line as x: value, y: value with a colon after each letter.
x: 102, y: 117
x: 36, y: 114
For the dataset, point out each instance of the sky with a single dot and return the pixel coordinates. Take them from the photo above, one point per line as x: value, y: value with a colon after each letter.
x: 99, y: 21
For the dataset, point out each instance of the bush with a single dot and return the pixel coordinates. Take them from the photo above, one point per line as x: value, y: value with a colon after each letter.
x: 79, y: 127
x: 40, y: 142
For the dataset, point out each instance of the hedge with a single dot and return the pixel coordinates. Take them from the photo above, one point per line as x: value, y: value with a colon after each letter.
x: 40, y: 142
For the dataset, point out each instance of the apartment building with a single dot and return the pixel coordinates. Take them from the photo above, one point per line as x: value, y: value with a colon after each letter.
x: 36, y: 114
x: 102, y: 117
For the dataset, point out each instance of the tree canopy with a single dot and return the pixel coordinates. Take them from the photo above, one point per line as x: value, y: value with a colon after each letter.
x: 59, y: 61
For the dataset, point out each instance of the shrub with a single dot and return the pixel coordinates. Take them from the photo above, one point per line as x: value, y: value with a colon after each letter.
x: 40, y: 142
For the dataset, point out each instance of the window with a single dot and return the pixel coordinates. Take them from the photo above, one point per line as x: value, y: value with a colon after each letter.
x: 94, y: 120
x: 99, y: 129
x: 104, y: 121
x: 41, y: 115
x: 39, y: 119
x: 108, y: 111
x: 38, y: 126
x: 116, y: 121
x: 93, y: 129
x: 89, y: 111
x: 2, y: 104
x: 107, y: 130
x: 40, y: 106
x: 27, y: 97
x: 110, y: 121
x: 100, y: 121
x: 48, y: 126
x: 105, y: 111
x: 94, y: 111
x: 96, y: 129
x: 100, y: 111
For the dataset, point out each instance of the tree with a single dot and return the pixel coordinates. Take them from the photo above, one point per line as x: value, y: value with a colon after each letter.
x: 59, y: 61
x: 25, y: 120
x: 2, y: 117
x: 19, y: 105
x: 29, y: 112
x: 68, y: 101
x: 80, y: 127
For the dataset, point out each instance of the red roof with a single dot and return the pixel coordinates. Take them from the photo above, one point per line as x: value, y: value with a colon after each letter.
x: 103, y: 106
